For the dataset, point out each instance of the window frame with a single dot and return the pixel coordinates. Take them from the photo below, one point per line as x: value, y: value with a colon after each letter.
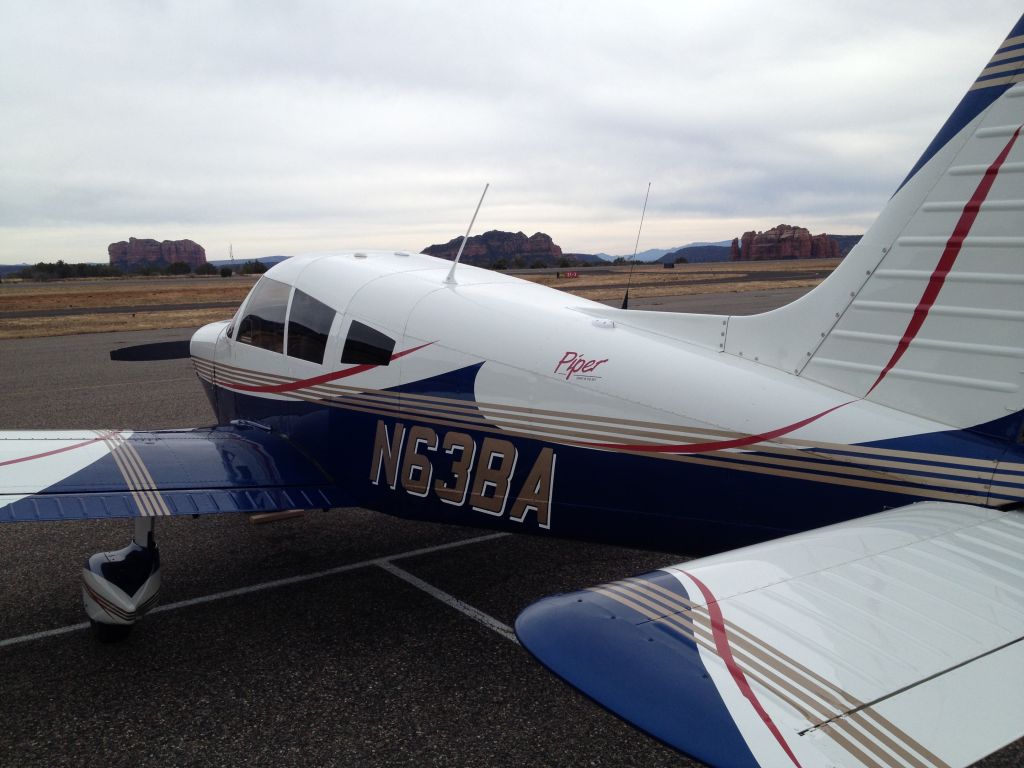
x: 245, y: 312
x: 327, y: 336
x: 358, y: 356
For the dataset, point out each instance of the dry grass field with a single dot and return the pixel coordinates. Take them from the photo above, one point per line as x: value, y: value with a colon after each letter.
x: 603, y: 283
x: 156, y: 302
x: 32, y: 327
x: 120, y: 292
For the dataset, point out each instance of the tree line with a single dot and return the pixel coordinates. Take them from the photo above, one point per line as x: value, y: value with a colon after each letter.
x: 61, y: 270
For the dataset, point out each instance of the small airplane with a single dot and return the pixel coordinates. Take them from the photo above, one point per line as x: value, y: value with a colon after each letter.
x: 856, y: 458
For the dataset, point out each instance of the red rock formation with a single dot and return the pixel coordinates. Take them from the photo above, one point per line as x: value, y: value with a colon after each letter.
x: 138, y: 254
x: 490, y: 247
x: 784, y: 242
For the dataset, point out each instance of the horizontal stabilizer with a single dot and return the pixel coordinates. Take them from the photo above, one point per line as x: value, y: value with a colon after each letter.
x: 895, y: 639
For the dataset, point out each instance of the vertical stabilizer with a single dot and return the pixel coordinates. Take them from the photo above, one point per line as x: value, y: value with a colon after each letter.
x: 926, y: 314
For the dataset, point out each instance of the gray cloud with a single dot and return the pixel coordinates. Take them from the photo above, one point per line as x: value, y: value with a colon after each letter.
x: 289, y: 127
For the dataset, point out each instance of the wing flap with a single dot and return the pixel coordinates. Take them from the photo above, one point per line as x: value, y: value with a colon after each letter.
x: 893, y: 639
x: 102, y: 474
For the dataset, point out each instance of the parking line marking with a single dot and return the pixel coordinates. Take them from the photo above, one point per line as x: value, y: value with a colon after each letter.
x: 477, y: 615
x: 276, y: 583
x: 44, y: 634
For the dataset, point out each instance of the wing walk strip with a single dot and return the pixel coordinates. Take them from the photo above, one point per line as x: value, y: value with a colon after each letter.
x: 934, y: 476
x: 136, y: 476
x: 854, y: 726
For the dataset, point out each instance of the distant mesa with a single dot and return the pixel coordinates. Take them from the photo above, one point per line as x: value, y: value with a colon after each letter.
x: 138, y: 254
x: 507, y: 250
x: 784, y: 242
x: 514, y: 250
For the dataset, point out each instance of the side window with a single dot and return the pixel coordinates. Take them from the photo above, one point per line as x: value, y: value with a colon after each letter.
x: 263, y: 324
x: 365, y: 345
x: 308, y: 325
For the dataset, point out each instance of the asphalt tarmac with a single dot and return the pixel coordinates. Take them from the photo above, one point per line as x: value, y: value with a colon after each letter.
x: 323, y: 640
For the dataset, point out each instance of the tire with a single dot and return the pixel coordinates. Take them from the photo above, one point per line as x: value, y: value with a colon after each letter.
x: 110, y: 633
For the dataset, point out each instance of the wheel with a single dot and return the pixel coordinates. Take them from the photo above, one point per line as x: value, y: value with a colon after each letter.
x: 110, y: 633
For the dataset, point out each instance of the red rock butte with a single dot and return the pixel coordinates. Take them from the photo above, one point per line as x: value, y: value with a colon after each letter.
x: 139, y: 253
x: 783, y: 242
x: 486, y: 249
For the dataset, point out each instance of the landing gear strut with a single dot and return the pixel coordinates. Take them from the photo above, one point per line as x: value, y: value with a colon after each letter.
x: 119, y: 587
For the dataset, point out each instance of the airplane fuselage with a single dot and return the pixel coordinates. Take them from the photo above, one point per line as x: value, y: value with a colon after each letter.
x: 499, y: 403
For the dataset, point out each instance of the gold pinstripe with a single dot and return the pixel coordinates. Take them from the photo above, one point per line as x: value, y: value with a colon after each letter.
x: 1003, y: 55
x: 828, y: 463
x: 137, y: 477
x: 739, y: 636
x: 688, y: 626
x: 143, y: 501
x: 998, y: 81
x: 994, y: 67
x: 1010, y: 41
x: 745, y: 462
x: 668, y: 433
x: 820, y: 702
x: 997, y: 68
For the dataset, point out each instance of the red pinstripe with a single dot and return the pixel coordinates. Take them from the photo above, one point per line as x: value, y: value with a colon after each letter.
x: 719, y: 445
x: 948, y: 258
x: 289, y: 386
x: 57, y: 450
x: 725, y: 653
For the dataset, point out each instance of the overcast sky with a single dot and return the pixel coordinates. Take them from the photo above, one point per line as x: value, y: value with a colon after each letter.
x: 284, y: 127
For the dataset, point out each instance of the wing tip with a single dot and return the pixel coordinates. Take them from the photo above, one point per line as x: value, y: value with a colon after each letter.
x: 605, y: 643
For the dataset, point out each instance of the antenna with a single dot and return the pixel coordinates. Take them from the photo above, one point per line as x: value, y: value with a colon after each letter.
x: 451, y: 273
x: 632, y: 261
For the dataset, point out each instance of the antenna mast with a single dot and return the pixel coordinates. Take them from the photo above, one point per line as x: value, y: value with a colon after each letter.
x: 632, y: 261
x: 451, y: 273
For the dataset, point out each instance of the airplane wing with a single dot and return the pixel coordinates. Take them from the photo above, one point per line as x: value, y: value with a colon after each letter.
x: 80, y: 474
x: 894, y: 639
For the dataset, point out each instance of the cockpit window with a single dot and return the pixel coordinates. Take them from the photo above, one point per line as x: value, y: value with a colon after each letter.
x: 309, y: 322
x: 367, y: 346
x: 263, y: 324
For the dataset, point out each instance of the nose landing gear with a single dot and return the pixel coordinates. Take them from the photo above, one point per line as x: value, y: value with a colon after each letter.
x: 119, y: 587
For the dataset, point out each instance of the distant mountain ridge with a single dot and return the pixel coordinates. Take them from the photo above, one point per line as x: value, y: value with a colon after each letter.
x: 658, y: 254
x: 697, y: 254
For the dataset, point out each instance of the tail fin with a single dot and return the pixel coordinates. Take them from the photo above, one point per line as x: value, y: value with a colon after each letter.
x: 926, y: 314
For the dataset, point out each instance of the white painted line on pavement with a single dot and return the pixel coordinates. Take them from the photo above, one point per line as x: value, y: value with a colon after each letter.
x: 488, y: 621
x: 379, y: 561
